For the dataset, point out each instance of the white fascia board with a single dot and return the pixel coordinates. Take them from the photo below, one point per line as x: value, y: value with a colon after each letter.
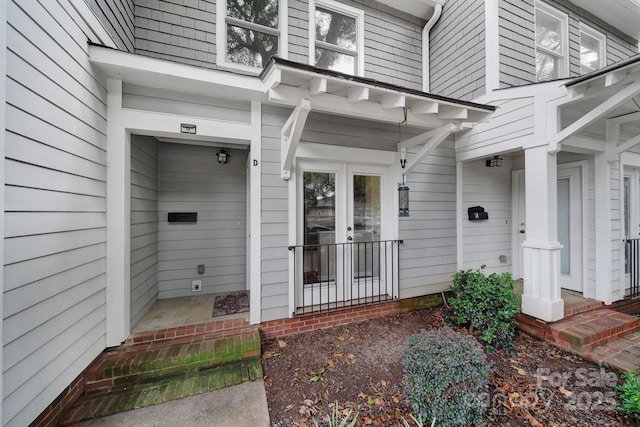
x: 132, y: 68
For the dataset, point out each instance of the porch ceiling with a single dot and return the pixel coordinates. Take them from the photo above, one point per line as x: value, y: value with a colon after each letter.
x: 603, y: 105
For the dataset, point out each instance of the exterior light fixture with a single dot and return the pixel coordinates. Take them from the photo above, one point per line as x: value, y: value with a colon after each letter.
x: 494, y: 162
x: 403, y: 190
x: 223, y: 157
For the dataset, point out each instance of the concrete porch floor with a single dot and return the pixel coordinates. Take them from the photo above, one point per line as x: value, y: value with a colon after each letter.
x: 177, y: 312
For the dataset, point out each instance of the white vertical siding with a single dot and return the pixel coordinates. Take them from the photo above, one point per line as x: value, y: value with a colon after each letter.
x: 54, y: 274
x: 457, y: 57
x: 144, y: 225
x: 117, y: 16
x: 486, y: 240
x: 192, y: 180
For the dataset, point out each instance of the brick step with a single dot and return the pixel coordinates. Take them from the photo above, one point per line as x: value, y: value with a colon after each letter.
x: 585, y: 331
x: 144, y: 361
x: 622, y: 353
x: 225, y: 327
x: 158, y: 390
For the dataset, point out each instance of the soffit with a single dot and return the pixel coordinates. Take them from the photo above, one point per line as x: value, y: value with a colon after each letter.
x: 621, y: 14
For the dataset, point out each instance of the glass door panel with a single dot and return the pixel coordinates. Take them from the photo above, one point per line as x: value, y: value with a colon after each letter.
x: 319, y: 222
x: 366, y: 220
x: 564, y: 225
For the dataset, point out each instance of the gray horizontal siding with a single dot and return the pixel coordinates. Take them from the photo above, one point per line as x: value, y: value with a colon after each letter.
x: 517, y: 43
x: 55, y: 171
x: 117, y: 16
x: 144, y: 225
x: 181, y: 31
x: 486, y: 240
x: 457, y: 50
x: 274, y: 220
x: 192, y: 180
x: 428, y: 254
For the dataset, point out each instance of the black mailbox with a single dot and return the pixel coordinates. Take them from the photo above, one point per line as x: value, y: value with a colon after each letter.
x: 477, y: 213
x: 183, y: 217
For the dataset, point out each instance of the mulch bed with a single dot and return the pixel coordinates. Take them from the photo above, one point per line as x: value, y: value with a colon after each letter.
x: 359, y: 366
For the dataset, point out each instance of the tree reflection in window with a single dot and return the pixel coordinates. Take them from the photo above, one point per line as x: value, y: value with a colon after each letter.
x: 252, y: 31
x: 336, y: 46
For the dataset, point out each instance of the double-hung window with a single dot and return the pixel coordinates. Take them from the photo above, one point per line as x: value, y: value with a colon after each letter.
x: 592, y: 49
x: 336, y: 37
x: 551, y: 43
x: 249, y: 32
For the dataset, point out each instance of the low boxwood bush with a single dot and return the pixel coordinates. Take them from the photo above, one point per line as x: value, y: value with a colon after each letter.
x: 447, y: 375
x: 487, y: 303
x: 630, y: 393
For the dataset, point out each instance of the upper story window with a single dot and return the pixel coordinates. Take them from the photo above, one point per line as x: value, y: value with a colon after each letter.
x: 336, y: 37
x: 551, y: 43
x: 592, y: 49
x: 249, y: 32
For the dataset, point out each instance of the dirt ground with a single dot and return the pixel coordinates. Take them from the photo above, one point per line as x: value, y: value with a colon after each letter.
x: 359, y: 366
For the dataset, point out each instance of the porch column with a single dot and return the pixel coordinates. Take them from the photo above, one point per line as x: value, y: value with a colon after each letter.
x: 541, y: 249
x: 118, y: 218
x: 604, y: 260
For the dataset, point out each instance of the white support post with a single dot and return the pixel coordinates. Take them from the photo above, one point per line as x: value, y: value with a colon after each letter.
x: 460, y: 214
x: 3, y: 125
x: 541, y: 251
x: 255, y: 215
x: 603, y: 227
x: 118, y: 218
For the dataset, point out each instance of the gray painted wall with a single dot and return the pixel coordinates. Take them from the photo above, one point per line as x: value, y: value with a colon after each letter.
x: 117, y: 16
x: 55, y: 171
x: 457, y: 63
x: 178, y: 31
x: 428, y: 255
x: 192, y: 180
x: 186, y: 33
x: 144, y: 225
x: 457, y: 50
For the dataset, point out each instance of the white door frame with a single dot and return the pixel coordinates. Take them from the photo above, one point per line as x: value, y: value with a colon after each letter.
x: 575, y: 172
x: 518, y: 200
x: 323, y: 155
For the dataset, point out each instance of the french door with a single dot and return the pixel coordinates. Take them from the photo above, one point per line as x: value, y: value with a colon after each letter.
x: 341, y: 226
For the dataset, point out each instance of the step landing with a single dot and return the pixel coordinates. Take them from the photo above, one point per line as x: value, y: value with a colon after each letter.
x: 585, y: 331
x: 136, y: 375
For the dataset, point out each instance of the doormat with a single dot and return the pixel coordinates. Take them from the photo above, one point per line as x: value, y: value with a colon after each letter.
x: 237, y: 302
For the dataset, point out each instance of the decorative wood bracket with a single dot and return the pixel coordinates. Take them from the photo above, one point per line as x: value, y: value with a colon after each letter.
x: 290, y: 136
x: 432, y: 140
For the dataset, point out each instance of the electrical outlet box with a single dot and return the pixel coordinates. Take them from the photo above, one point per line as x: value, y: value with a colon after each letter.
x: 196, y: 285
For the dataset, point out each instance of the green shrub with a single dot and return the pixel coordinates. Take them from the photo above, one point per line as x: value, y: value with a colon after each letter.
x: 447, y: 374
x: 630, y: 393
x: 489, y: 304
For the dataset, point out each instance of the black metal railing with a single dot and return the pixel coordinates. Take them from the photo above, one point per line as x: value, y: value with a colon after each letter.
x: 342, y: 275
x: 632, y: 268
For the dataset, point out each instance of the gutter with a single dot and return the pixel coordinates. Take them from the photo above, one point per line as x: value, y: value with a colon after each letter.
x: 425, y: 46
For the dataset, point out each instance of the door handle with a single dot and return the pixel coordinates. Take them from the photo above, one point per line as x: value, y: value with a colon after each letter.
x: 349, y: 238
x: 522, y: 231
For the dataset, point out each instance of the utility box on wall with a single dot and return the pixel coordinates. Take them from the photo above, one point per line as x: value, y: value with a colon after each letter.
x: 477, y: 213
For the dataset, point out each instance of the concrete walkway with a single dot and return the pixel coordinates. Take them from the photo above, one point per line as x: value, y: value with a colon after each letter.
x: 243, y: 405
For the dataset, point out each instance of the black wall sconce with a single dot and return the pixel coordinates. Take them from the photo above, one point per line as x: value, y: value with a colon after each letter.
x: 403, y: 190
x: 223, y: 157
x: 494, y: 162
